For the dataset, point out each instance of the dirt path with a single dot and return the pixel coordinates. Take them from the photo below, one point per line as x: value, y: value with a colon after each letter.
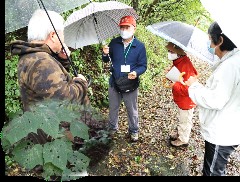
x: 152, y: 155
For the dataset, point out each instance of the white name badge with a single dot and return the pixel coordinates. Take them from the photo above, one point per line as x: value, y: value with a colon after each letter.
x: 125, y: 68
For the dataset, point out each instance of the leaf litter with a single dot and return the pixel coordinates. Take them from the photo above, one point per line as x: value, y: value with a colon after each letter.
x: 157, y: 117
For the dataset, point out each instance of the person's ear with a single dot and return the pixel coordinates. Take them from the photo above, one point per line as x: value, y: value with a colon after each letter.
x: 134, y: 28
x: 220, y: 41
x: 52, y: 36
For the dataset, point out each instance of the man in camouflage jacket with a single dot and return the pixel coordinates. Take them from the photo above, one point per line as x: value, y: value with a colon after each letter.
x: 40, y: 73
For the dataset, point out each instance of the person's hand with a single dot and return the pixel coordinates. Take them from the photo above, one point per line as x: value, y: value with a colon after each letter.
x: 132, y: 75
x: 191, y: 80
x: 81, y: 77
x: 105, y: 50
x: 167, y: 83
x: 62, y: 54
x: 171, y: 85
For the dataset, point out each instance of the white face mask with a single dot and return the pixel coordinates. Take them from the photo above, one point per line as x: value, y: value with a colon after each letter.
x: 172, y: 56
x: 126, y: 34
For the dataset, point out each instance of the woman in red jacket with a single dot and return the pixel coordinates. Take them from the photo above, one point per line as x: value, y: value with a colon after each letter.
x: 180, y: 136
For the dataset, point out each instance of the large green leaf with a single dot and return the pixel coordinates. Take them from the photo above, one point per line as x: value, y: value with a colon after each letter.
x: 48, y: 122
x: 46, y: 116
x: 28, y: 155
x: 67, y: 175
x: 60, y: 110
x: 50, y: 170
x: 6, y: 145
x: 79, y: 161
x: 79, y: 129
x: 56, y: 152
x: 19, y: 127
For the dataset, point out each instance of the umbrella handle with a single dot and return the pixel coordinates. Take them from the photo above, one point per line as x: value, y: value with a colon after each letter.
x: 181, y: 78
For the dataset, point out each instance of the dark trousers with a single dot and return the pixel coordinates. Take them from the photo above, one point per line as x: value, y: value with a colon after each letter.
x: 130, y: 101
x: 216, y: 159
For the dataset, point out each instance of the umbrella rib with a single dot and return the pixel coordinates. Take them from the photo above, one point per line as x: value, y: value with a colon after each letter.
x: 95, y: 24
x: 38, y: 3
x: 111, y: 18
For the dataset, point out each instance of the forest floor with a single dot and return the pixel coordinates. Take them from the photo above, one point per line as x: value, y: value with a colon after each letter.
x: 152, y: 155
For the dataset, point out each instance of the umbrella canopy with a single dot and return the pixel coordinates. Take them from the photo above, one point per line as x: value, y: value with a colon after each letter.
x: 226, y: 13
x: 191, y: 39
x: 95, y: 23
x: 19, y: 12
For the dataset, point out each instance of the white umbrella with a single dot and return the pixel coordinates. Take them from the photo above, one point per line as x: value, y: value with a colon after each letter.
x: 227, y: 14
x: 95, y: 23
x: 191, y: 39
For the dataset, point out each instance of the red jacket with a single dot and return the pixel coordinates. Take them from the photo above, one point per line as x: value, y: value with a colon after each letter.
x: 180, y: 91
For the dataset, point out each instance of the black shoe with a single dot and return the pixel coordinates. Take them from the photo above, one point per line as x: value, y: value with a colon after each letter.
x: 134, y: 137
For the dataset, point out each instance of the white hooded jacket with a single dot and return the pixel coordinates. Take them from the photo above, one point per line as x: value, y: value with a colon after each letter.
x: 219, y: 101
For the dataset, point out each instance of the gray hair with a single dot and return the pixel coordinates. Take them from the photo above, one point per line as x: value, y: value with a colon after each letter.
x: 40, y: 26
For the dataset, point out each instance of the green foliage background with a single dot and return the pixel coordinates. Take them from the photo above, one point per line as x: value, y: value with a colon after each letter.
x: 88, y: 60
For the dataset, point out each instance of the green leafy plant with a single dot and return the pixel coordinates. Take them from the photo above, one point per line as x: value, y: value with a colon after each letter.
x: 9, y: 161
x: 49, y: 147
x: 137, y: 159
x: 12, y: 93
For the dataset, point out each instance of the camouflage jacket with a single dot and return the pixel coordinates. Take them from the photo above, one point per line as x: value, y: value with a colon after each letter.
x: 41, y: 76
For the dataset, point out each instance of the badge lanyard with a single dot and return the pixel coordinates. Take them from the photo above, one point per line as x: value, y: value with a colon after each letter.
x: 125, y: 54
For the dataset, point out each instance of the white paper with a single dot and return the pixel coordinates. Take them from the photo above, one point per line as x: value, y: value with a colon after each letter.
x: 173, y: 74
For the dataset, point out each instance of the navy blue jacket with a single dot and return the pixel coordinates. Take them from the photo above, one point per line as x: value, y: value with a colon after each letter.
x: 136, y: 57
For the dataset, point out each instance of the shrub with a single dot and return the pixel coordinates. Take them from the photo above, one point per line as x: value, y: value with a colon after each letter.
x: 51, y: 136
x: 12, y: 93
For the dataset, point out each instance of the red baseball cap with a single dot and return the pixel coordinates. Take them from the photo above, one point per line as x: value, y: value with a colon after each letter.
x: 127, y: 20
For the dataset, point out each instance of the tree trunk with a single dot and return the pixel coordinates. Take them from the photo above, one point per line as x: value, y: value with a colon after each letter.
x: 150, y: 8
x: 135, y: 5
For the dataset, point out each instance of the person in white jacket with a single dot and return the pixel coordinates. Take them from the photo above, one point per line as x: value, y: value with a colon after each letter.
x: 219, y: 103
